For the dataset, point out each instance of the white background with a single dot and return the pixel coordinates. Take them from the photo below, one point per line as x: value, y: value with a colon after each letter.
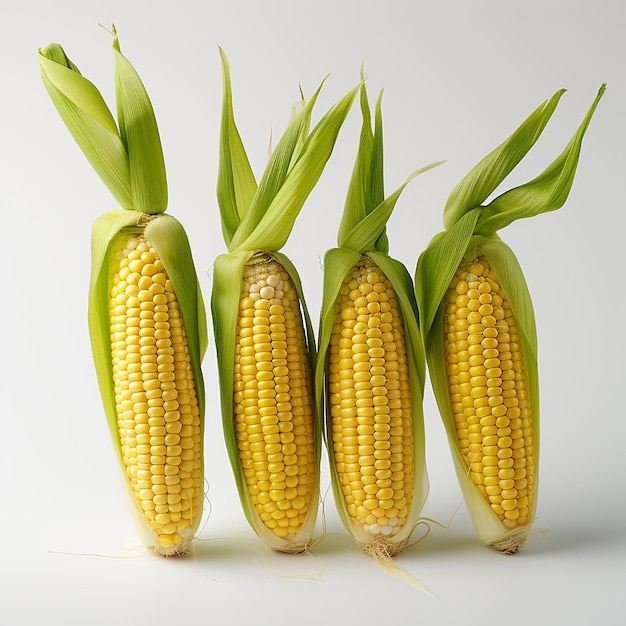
x: 458, y: 77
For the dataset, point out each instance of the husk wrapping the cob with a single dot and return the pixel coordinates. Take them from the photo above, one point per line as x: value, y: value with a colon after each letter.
x: 494, y: 440
x: 370, y: 371
x: 258, y: 296
x: 147, y: 320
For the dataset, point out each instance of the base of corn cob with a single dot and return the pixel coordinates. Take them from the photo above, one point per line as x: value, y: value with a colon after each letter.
x: 511, y: 543
x: 381, y: 549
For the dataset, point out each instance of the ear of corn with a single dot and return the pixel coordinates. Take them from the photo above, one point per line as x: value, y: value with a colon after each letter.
x: 371, y: 366
x: 479, y: 330
x: 146, y: 316
x: 263, y: 333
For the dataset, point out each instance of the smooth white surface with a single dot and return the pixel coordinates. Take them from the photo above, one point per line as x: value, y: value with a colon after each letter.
x: 459, y: 77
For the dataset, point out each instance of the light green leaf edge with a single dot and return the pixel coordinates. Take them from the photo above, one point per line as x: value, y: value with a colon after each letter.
x: 437, y: 265
x: 129, y: 160
x: 236, y: 184
x: 281, y: 161
x: 366, y: 188
x: 337, y: 263
x: 228, y: 272
x: 366, y: 210
x: 260, y: 218
x: 274, y: 227
x: 140, y: 134
x: 88, y: 119
x: 369, y: 233
x: 483, y: 178
x: 170, y: 241
x: 547, y: 192
x: 103, y: 233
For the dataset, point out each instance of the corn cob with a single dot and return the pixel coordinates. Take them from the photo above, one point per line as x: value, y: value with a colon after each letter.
x: 371, y: 414
x: 488, y: 386
x: 263, y: 333
x: 272, y: 398
x: 371, y: 365
x: 146, y: 316
x: 479, y: 330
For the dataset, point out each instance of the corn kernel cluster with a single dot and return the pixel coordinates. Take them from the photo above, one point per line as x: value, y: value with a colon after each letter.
x: 489, y: 391
x: 273, y: 398
x: 155, y: 393
x: 369, y: 398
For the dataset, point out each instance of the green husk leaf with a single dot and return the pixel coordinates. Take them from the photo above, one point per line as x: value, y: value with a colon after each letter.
x: 369, y: 233
x: 261, y: 217
x: 366, y: 188
x: 436, y: 267
x: 140, y: 134
x: 546, y: 192
x: 337, y: 263
x: 104, y: 230
x: 128, y: 158
x: 366, y: 210
x: 377, y: 168
x: 282, y: 160
x: 483, y: 179
x: 170, y: 240
x: 236, y: 184
x: 88, y: 119
x: 227, y: 276
x: 276, y: 223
